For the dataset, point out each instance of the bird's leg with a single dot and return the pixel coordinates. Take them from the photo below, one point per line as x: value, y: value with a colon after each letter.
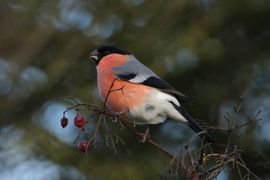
x: 146, y: 135
x: 117, y: 114
x: 120, y: 113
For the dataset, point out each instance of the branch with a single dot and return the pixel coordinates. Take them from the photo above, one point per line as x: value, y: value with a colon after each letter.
x: 202, y: 162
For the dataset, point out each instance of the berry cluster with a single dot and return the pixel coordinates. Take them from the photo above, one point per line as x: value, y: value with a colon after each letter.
x: 79, y: 122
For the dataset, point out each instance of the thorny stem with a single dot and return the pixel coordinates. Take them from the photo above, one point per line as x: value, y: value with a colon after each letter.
x: 111, y: 135
x: 83, y: 105
x: 110, y: 91
x: 251, y: 121
x: 148, y: 140
x: 97, y: 128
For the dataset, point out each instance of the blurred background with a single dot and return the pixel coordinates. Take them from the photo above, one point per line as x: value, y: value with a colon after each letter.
x: 213, y: 51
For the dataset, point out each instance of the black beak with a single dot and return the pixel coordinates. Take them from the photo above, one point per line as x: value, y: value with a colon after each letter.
x: 95, y: 56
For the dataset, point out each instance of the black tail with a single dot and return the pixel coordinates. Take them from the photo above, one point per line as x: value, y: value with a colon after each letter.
x: 193, y: 124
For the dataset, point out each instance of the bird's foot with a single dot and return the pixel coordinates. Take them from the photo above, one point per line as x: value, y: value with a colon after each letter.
x: 120, y: 112
x: 117, y: 114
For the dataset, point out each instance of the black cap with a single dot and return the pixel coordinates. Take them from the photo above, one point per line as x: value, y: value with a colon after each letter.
x: 103, y: 51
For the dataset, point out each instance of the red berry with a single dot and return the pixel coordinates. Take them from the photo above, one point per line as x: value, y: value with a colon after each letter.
x: 64, y: 122
x: 83, y: 146
x: 79, y: 121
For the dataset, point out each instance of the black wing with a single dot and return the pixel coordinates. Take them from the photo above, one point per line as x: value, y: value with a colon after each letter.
x: 167, y: 88
x: 158, y: 83
x: 127, y: 76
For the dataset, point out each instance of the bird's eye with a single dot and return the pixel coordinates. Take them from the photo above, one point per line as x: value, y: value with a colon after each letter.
x: 94, y: 58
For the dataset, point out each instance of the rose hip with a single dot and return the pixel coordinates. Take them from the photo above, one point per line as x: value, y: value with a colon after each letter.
x: 64, y: 122
x: 83, y: 146
x: 79, y: 121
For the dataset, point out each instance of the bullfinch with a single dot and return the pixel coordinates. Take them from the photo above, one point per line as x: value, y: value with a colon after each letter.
x: 131, y: 89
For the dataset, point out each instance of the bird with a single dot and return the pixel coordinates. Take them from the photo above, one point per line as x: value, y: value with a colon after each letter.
x: 131, y: 89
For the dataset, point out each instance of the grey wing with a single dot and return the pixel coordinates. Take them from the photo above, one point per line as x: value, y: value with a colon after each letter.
x: 167, y: 88
x: 135, y: 72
